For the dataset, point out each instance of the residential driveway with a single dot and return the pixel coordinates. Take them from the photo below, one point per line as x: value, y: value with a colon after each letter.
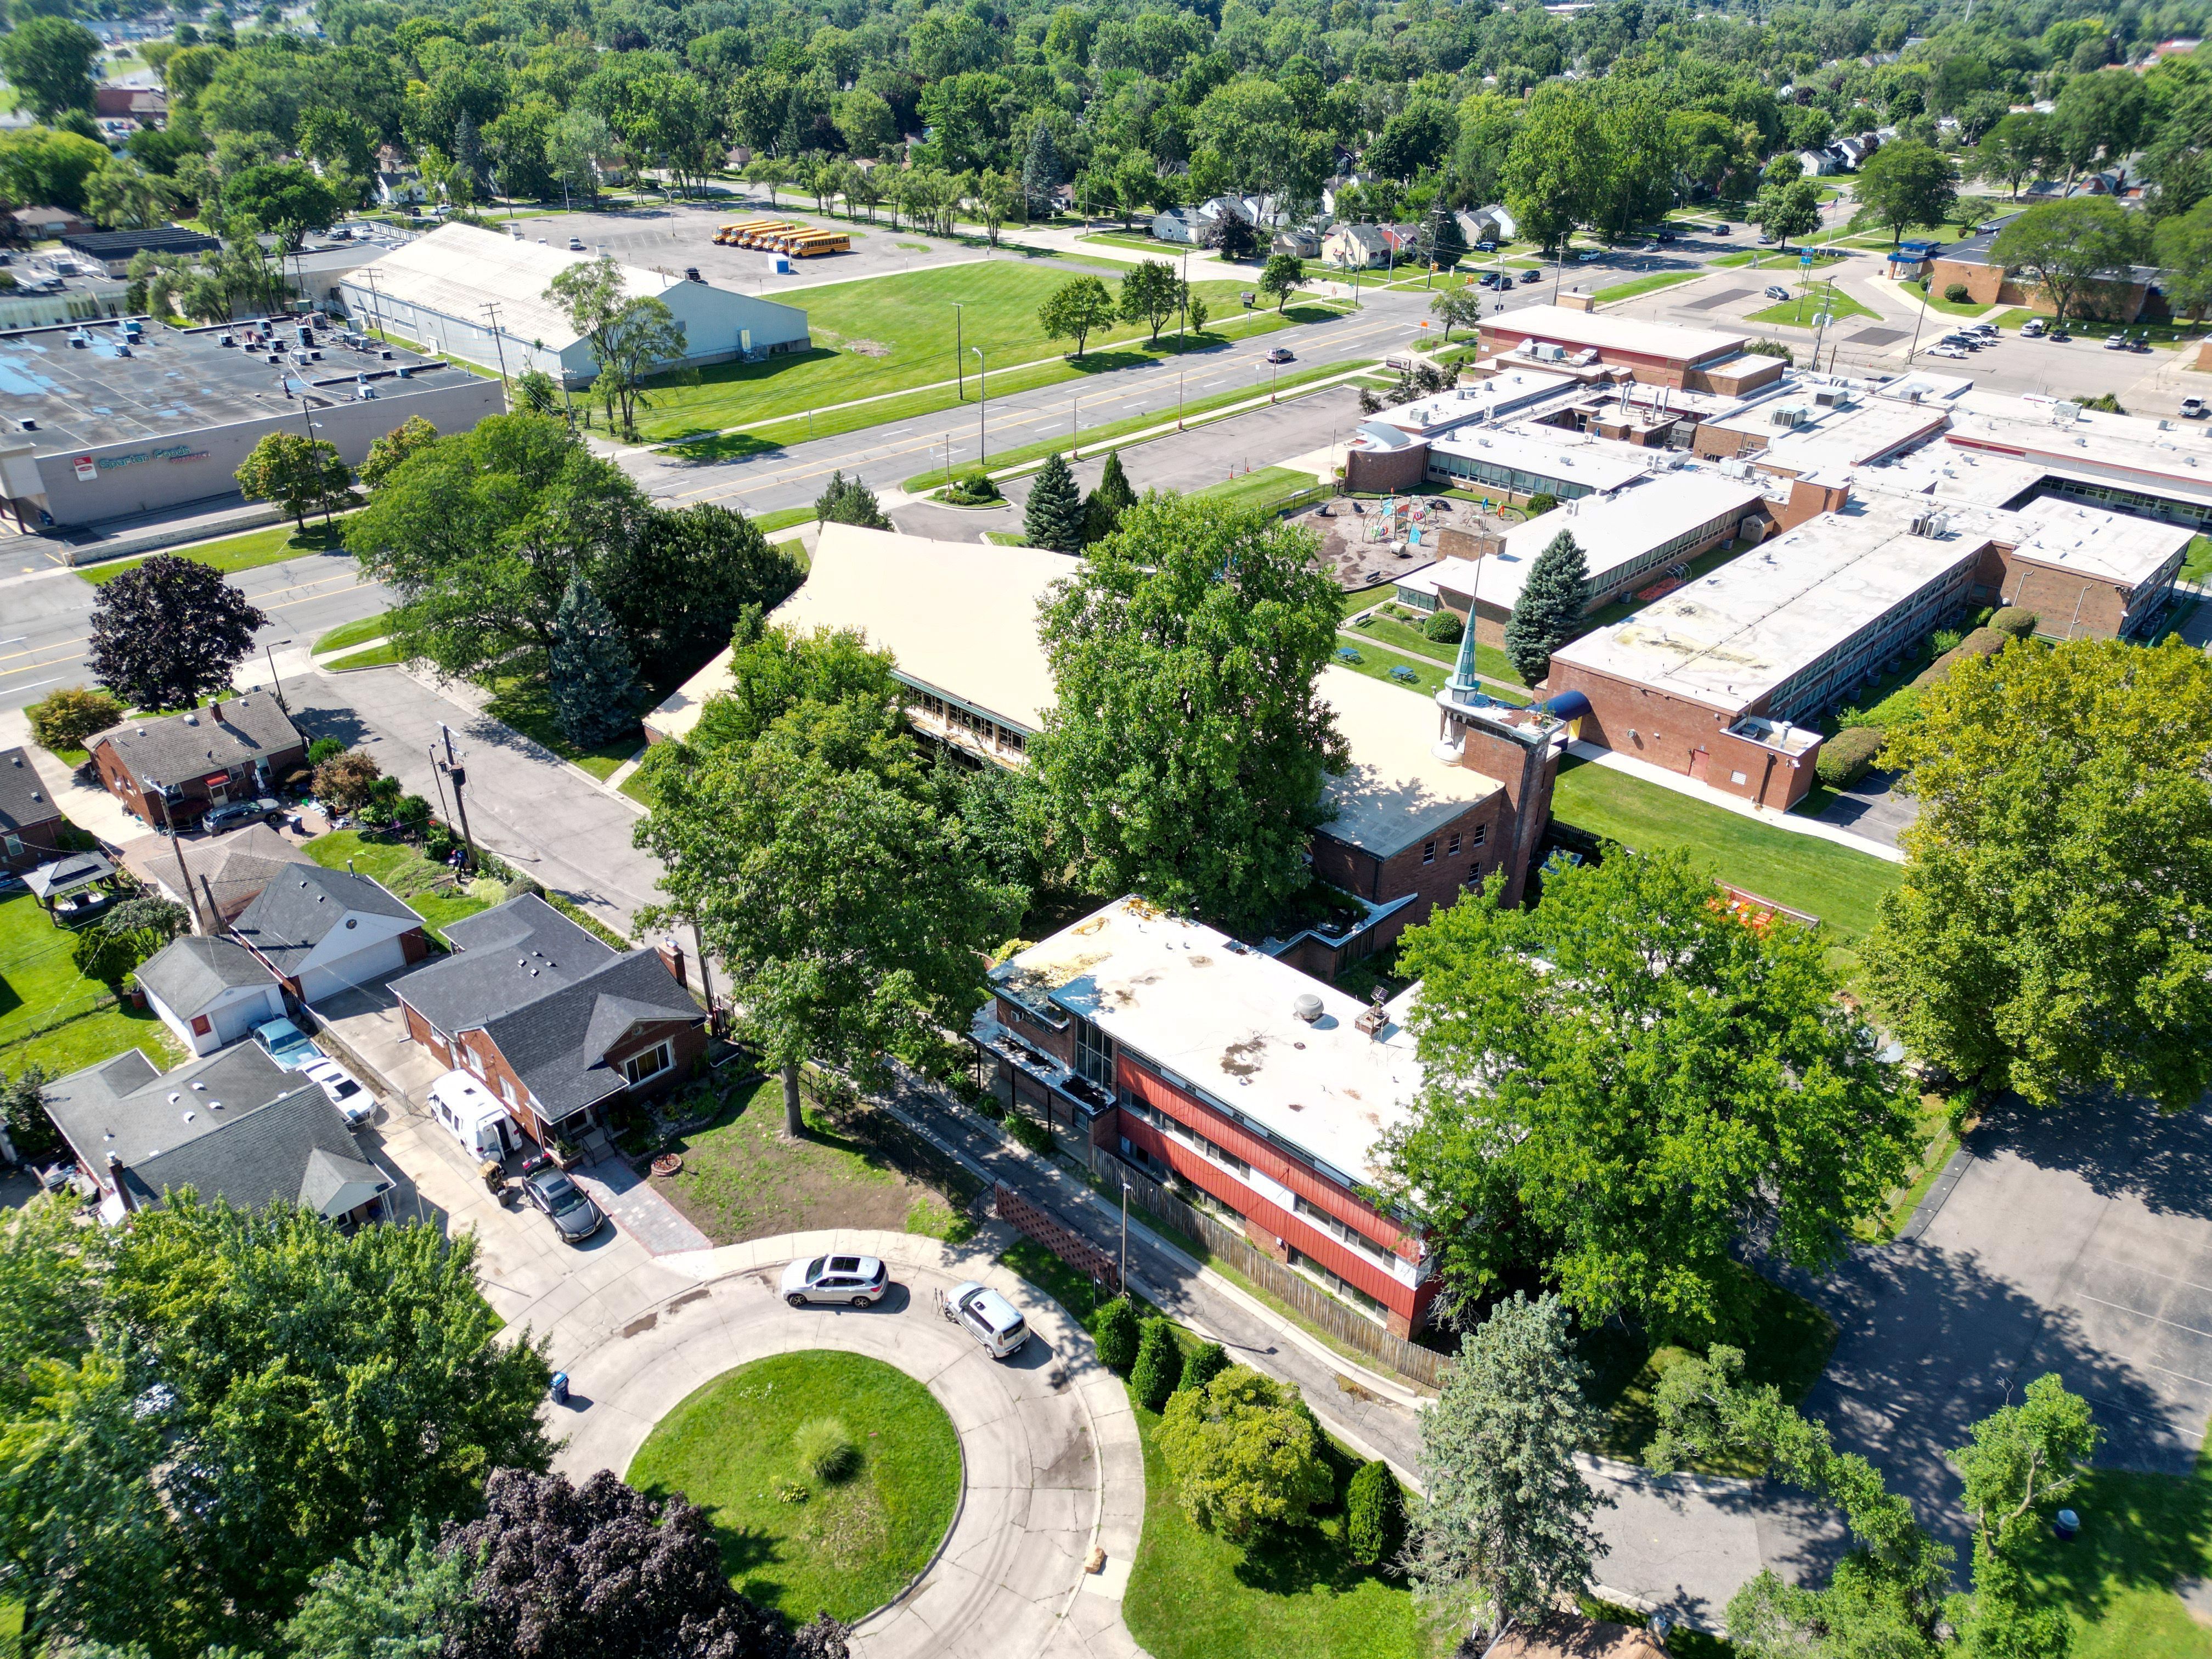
x: 1051, y: 1464
x: 542, y: 815
x: 1875, y: 807
x: 2078, y: 1242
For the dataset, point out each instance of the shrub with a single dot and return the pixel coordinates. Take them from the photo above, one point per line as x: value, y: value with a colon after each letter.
x: 1374, y: 1514
x: 1242, y: 1455
x: 2015, y: 620
x: 1982, y: 642
x: 824, y: 1449
x: 1444, y: 628
x: 972, y: 488
x: 72, y: 717
x: 438, y: 844
x: 1114, y: 1328
x: 1204, y: 1365
x: 1772, y: 349
x: 1956, y: 292
x: 411, y: 814
x: 1029, y: 1133
x: 521, y: 885
x: 322, y: 749
x: 343, y: 782
x: 1945, y: 639
x: 1540, y: 503
x: 1158, y: 1366
x: 1849, y: 755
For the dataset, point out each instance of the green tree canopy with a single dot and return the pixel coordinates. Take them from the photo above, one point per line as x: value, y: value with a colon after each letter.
x: 1075, y: 310
x: 49, y: 59
x: 1186, y: 757
x: 1905, y: 184
x: 2065, y: 247
x: 593, y: 680
x: 1622, y: 1081
x: 168, y: 632
x: 302, y: 475
x: 1053, y: 516
x: 1549, y: 609
x: 1244, y: 1453
x: 2052, y: 932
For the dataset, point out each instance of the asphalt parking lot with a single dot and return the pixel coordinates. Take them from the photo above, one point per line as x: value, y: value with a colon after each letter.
x: 2077, y: 1241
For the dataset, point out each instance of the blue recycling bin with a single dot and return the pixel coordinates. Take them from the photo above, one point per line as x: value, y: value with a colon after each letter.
x: 559, y: 1390
x: 2066, y: 1524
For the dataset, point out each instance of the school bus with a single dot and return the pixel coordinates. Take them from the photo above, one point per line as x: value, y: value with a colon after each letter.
x: 818, y: 241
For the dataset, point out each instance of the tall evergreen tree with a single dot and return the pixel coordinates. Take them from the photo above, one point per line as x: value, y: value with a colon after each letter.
x: 1040, y: 172
x: 1102, y: 513
x: 849, y: 501
x: 1550, y: 604
x: 1054, y: 518
x: 595, y: 681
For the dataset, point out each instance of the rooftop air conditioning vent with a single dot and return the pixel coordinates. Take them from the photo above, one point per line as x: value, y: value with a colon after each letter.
x: 30, y: 426
x: 1306, y: 1006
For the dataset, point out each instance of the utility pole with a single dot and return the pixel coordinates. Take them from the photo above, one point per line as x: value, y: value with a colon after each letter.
x: 267, y: 650
x: 177, y: 846
x: 437, y: 782
x: 706, y: 973
x: 459, y: 776
x: 491, y: 310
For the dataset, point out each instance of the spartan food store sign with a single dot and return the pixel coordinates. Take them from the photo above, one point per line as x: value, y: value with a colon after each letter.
x: 89, y: 470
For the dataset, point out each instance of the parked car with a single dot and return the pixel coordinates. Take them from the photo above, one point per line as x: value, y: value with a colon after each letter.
x: 2192, y: 409
x: 1648, y: 247
x: 1486, y: 245
x: 1528, y: 276
x: 1282, y: 355
x: 1766, y: 241
x: 2033, y: 328
x: 1589, y: 254
x: 987, y: 1316
x: 2118, y: 343
x: 1987, y: 331
x: 575, y: 244
x: 1662, y: 235
x: 575, y: 1217
x: 2143, y: 340
x: 1776, y: 291
x: 344, y: 1089
x: 855, y: 1281
x: 1941, y: 351
x: 287, y: 1045
x: 1723, y: 230
x: 232, y: 813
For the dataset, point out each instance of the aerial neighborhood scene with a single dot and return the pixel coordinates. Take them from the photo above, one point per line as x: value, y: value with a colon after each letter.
x: 1087, y: 828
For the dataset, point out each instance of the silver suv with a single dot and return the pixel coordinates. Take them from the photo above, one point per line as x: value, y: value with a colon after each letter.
x: 855, y: 1281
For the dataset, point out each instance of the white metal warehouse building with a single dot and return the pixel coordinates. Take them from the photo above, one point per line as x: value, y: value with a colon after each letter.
x: 435, y: 291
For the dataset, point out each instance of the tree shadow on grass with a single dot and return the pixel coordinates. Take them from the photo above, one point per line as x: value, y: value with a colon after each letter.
x: 1298, y: 1560
x: 2140, y: 1532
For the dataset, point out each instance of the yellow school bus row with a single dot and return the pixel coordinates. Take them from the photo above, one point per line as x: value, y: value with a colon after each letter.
x: 783, y: 236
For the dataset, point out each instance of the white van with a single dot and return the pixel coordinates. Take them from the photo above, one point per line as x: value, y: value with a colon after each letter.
x: 986, y: 1316
x: 479, y: 1122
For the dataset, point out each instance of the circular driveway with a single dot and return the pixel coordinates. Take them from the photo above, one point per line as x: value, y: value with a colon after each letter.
x: 1051, y: 1463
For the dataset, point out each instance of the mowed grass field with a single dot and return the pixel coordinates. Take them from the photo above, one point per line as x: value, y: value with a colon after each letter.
x: 886, y: 334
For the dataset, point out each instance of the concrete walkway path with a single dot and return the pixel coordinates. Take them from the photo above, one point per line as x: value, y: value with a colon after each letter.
x: 1051, y: 1463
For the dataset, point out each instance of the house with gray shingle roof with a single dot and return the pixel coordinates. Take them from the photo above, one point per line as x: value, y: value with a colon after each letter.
x: 170, y: 768
x: 30, y: 822
x: 210, y: 992
x: 321, y: 931
x: 556, y: 1024
x: 233, y: 1125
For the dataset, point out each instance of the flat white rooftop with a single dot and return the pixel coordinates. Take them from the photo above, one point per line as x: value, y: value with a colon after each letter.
x: 1606, y: 332
x: 1803, y: 435
x: 2121, y: 449
x: 1397, y: 791
x: 1478, y: 400
x: 1596, y: 463
x: 1730, y: 637
x: 959, y: 617
x: 1617, y: 529
x: 2088, y: 541
x: 1221, y: 1016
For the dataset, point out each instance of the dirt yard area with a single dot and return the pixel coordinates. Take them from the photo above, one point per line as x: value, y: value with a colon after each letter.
x: 858, y: 1168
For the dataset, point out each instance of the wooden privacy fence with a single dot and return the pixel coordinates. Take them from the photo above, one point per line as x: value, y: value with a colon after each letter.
x: 1314, y: 1305
x: 1078, y: 1252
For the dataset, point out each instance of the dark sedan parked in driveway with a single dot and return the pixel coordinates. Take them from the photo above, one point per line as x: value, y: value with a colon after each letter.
x: 231, y: 814
x: 575, y: 1218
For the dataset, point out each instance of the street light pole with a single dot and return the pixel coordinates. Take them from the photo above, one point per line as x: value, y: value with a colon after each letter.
x: 1125, y: 1238
x: 983, y: 400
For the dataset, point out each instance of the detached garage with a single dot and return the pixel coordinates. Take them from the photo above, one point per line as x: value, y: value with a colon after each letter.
x: 321, y: 931
x: 474, y: 294
x: 210, y: 992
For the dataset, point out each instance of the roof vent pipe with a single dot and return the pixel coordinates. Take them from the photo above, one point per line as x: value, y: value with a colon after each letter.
x: 1306, y: 1006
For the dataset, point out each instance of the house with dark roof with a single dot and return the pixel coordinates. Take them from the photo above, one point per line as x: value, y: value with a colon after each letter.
x: 233, y: 1125
x: 171, y: 769
x: 321, y: 931
x: 30, y: 822
x: 226, y: 872
x: 210, y: 992
x: 559, y: 1026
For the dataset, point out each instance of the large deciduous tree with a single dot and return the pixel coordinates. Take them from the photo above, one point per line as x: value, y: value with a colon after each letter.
x: 1905, y: 184
x: 681, y: 581
x: 287, y: 198
x: 1506, y: 1526
x: 49, y: 60
x: 1150, y: 294
x: 1075, y: 310
x: 1551, y: 604
x: 643, y: 1575
x: 169, y: 632
x: 1618, y: 1118
x: 2064, y: 248
x: 1186, y: 757
x: 630, y: 335
x: 2054, y: 930
x: 300, y: 474
x: 1244, y: 1452
x: 386, y: 453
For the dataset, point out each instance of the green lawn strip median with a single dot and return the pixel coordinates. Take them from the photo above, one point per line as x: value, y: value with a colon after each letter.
x: 1767, y: 259
x: 2017, y: 315
x: 782, y: 518
x: 1651, y: 284
x: 1840, y: 886
x: 232, y: 554
x: 383, y: 654
x: 1489, y: 660
x: 353, y: 633
x: 1800, y: 312
x: 1131, y: 239
x: 887, y: 334
x: 795, y: 1538
x: 1089, y: 437
x: 429, y: 889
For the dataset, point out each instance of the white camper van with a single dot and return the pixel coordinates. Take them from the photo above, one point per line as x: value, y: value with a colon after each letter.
x: 478, y: 1120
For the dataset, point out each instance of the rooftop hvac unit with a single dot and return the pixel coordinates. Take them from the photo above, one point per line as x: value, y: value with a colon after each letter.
x: 2065, y: 413
x: 1790, y: 414
x: 1932, y: 525
x: 1829, y: 397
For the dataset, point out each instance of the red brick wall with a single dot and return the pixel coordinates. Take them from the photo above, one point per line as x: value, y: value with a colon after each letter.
x: 474, y: 1051
x: 1668, y: 729
x: 113, y: 772
x: 1386, y: 469
x: 40, y: 843
x: 1436, y: 881
x: 2068, y: 606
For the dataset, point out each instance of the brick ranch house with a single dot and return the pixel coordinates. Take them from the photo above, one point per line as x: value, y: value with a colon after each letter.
x: 30, y: 822
x: 555, y: 1024
x: 229, y: 751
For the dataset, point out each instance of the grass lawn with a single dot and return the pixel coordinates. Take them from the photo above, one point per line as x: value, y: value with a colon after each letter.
x: 2197, y: 560
x: 1952, y: 307
x: 1268, y: 487
x: 849, y: 1545
x: 858, y: 1168
x: 1130, y: 239
x: 526, y: 703
x: 53, y: 1016
x: 1938, y: 1140
x: 1651, y: 284
x: 232, y: 554
x: 384, y: 655
x: 429, y: 889
x: 1488, y: 659
x: 353, y: 633
x: 1193, y: 1595
x: 1422, y: 675
x: 1785, y: 1340
x: 782, y: 518
x: 892, y: 333
x: 2017, y: 315
x: 1840, y: 886
x: 2140, y: 1533
x: 1772, y: 260
x: 1800, y: 312
x: 1354, y: 600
